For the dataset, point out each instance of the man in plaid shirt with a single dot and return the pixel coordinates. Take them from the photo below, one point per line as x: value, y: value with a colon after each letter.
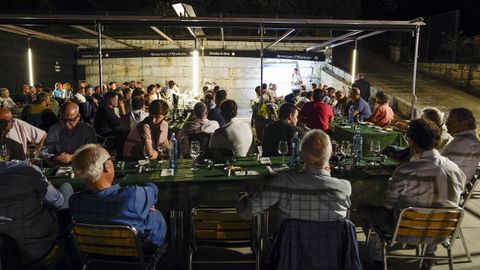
x: 428, y: 180
x: 464, y: 150
x: 311, y: 195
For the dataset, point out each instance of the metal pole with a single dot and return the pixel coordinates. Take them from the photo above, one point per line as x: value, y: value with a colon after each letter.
x: 99, y: 36
x: 414, y: 82
x: 261, y: 55
x: 455, y: 51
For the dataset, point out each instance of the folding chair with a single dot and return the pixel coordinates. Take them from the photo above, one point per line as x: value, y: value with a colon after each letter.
x: 114, y: 244
x: 421, y: 227
x: 222, y: 228
x: 465, y: 198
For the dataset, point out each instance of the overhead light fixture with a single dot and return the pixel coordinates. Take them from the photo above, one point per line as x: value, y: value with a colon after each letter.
x: 195, y: 73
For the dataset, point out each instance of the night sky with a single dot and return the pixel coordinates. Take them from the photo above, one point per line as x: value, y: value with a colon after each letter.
x: 368, y: 9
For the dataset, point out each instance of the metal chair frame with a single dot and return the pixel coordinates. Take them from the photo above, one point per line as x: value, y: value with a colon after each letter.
x: 424, y: 223
x: 138, y: 259
x: 252, y: 243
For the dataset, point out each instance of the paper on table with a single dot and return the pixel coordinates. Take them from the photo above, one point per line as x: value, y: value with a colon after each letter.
x: 167, y: 172
x: 243, y: 173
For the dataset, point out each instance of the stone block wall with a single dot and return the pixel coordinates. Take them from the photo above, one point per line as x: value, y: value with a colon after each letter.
x: 236, y: 74
x: 466, y: 76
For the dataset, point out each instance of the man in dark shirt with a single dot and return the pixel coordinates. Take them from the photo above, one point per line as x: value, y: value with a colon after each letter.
x: 66, y: 137
x: 281, y: 130
x: 106, y: 120
x: 364, y: 87
x: 214, y: 114
x: 317, y: 114
x: 23, y: 98
x: 39, y: 114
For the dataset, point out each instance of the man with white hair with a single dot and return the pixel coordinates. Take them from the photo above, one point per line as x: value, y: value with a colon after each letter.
x: 104, y: 203
x: 312, y: 194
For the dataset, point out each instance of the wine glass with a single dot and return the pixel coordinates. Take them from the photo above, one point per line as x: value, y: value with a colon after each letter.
x: 375, y: 148
x: 283, y: 150
x: 160, y: 148
x: 194, y: 153
x: 4, y: 153
x: 346, y: 148
x: 147, y: 159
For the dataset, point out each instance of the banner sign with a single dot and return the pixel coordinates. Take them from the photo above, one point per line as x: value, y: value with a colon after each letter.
x: 289, y: 55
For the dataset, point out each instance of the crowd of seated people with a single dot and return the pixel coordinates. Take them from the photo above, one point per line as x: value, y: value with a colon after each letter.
x: 67, y: 122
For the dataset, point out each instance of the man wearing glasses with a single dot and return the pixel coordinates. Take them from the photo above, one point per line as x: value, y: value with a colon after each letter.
x: 22, y: 132
x: 65, y: 137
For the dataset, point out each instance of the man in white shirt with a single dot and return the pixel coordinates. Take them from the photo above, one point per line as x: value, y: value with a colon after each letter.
x: 5, y: 99
x: 464, y: 150
x: 297, y: 80
x: 22, y: 132
x: 235, y: 135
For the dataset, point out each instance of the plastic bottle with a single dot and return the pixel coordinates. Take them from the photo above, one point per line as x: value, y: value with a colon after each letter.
x: 357, y: 145
x: 173, y: 153
x: 295, y: 158
x: 350, y: 114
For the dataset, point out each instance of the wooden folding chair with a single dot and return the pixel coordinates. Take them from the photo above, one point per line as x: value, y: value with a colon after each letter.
x: 114, y: 244
x: 421, y: 227
x: 222, y: 227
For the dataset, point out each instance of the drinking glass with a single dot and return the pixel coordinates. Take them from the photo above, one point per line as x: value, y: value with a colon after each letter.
x: 4, y: 153
x: 375, y: 148
x: 194, y: 153
x: 160, y: 148
x: 283, y: 150
x: 147, y: 158
x: 346, y: 148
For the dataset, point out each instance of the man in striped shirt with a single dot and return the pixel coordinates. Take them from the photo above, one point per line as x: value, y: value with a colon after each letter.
x: 427, y: 180
x: 464, y: 150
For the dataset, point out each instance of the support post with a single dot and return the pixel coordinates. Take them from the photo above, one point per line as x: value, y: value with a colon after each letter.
x: 414, y: 81
x: 99, y: 36
x: 261, y: 55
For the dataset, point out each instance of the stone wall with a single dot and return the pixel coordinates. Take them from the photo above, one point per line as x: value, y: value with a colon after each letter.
x: 238, y: 75
x: 467, y: 76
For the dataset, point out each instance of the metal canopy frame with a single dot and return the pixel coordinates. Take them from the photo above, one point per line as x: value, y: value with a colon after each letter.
x: 353, y: 28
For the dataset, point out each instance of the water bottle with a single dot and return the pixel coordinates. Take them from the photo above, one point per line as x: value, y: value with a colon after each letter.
x: 350, y: 114
x: 357, y: 145
x: 173, y: 153
x: 295, y: 158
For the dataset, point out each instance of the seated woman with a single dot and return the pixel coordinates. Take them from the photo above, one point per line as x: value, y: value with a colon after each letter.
x: 383, y: 114
x: 149, y: 135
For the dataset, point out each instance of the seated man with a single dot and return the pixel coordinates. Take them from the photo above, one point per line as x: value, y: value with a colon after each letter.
x: 342, y: 101
x: 464, y: 150
x: 428, y: 180
x: 235, y: 135
x: 214, y: 114
x: 106, y: 121
x: 5, y: 100
x: 135, y: 116
x: 15, y: 149
x: 22, y: 132
x: 311, y: 194
x: 26, y: 203
x: 23, y: 97
x: 104, y: 203
x: 39, y: 114
x: 361, y: 109
x: 383, y: 114
x: 200, y: 124
x: 66, y: 137
x: 317, y: 114
x: 281, y: 130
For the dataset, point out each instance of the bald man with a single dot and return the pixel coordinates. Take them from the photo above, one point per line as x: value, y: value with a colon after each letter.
x: 65, y: 137
x: 22, y: 132
x: 360, y: 106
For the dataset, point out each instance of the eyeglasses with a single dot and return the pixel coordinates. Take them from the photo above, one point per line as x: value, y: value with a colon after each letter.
x: 70, y: 121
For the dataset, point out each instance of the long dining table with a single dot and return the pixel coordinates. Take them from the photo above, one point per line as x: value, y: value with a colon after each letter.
x: 185, y: 189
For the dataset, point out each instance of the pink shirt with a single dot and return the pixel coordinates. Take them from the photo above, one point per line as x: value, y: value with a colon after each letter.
x: 142, y: 135
x: 24, y: 133
x: 383, y: 115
